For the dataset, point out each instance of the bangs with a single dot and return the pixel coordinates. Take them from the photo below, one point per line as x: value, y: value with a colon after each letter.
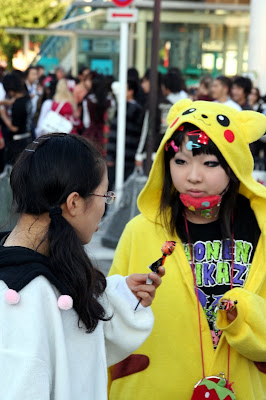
x: 179, y: 137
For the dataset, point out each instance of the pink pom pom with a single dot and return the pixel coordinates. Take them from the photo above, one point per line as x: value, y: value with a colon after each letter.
x: 12, y: 297
x: 65, y: 302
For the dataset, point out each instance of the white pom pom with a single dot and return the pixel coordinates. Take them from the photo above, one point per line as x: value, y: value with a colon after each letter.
x: 65, y: 302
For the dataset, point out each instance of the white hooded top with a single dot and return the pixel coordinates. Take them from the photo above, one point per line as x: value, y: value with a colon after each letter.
x: 44, y: 355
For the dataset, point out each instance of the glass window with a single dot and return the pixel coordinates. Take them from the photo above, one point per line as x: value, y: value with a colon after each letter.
x: 199, y: 49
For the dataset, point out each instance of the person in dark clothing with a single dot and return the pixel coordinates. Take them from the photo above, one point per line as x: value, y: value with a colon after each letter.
x: 256, y: 101
x: 2, y: 158
x: 258, y: 148
x: 240, y: 91
x: 33, y: 89
x: 94, y: 109
x: 204, y: 90
x: 134, y: 120
x: 163, y: 107
x: 19, y: 125
x: 173, y: 86
x: 140, y: 96
x: 176, y: 71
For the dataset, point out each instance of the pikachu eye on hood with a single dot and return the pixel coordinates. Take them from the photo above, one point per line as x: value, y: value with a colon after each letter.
x: 223, y: 120
x: 191, y: 110
x: 230, y: 130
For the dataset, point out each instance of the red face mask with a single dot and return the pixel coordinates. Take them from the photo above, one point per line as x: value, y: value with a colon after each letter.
x: 204, y: 204
x: 200, y: 203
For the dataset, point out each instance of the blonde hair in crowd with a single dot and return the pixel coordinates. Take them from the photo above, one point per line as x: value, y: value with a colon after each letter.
x: 62, y: 93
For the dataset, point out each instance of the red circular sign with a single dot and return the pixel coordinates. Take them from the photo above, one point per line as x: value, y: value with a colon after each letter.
x: 122, y: 3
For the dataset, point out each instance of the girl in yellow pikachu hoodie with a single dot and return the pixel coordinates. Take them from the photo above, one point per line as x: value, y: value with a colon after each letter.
x: 204, y: 153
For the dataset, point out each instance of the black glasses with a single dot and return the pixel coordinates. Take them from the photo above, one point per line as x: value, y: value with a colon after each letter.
x: 109, y: 197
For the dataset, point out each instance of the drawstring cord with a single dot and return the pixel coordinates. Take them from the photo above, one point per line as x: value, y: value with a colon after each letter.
x: 197, y: 294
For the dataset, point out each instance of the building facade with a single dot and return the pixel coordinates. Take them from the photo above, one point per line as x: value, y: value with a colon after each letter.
x: 198, y: 37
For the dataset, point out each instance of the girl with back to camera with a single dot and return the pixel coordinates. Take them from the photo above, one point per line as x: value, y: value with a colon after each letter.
x: 94, y: 110
x: 209, y: 336
x: 63, y: 103
x: 63, y: 323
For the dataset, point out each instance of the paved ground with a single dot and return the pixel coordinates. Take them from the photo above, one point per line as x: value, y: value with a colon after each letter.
x: 101, y: 256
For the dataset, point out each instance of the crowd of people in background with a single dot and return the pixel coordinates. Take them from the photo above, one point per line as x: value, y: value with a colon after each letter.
x: 89, y: 101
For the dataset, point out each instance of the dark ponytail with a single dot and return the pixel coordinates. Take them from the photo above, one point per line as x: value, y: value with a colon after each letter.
x: 70, y: 263
x: 44, y: 175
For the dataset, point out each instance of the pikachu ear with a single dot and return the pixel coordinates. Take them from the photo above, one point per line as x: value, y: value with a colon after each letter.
x: 176, y: 108
x: 252, y: 125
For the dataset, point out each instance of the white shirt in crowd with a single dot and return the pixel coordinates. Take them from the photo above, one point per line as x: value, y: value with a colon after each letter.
x: 174, y: 97
x: 231, y: 103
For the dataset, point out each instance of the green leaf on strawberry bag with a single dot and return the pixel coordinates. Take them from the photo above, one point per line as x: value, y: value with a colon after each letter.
x: 219, y: 388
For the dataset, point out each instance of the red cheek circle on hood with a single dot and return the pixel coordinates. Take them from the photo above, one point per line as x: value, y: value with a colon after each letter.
x: 229, y: 136
x: 175, y: 121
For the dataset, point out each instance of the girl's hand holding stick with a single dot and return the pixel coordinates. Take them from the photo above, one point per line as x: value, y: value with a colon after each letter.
x: 167, y: 249
x: 144, y: 291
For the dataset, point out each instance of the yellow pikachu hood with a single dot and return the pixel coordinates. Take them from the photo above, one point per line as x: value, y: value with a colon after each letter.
x: 232, y: 131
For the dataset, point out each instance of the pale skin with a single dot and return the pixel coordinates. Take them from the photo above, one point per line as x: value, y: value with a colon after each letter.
x: 238, y: 95
x: 231, y: 315
x: 219, y: 91
x: 7, y: 102
x: 199, y: 176
x: 253, y: 97
x: 30, y: 230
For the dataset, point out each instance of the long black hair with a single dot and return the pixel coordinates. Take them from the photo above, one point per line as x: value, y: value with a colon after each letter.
x: 51, y: 168
x: 99, y: 89
x: 170, y: 197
